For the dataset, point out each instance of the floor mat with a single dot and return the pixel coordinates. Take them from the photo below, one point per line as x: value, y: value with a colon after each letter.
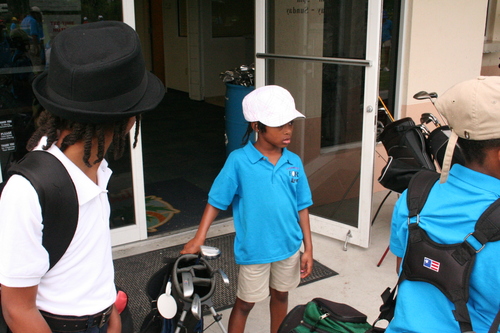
x: 132, y: 274
x: 186, y: 203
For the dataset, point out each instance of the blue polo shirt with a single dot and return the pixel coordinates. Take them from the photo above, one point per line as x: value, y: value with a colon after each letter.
x: 32, y: 27
x: 449, y: 215
x: 266, y: 199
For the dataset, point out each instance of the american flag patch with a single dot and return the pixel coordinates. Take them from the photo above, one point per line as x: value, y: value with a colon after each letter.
x: 431, y: 264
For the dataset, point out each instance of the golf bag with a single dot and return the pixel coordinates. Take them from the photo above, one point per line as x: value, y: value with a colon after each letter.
x: 406, y: 147
x: 156, y: 286
x: 324, y: 316
x: 411, y: 149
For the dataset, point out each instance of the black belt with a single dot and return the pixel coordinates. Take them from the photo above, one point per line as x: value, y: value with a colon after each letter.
x: 74, y: 324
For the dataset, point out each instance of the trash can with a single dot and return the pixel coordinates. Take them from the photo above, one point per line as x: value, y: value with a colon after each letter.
x: 236, y: 125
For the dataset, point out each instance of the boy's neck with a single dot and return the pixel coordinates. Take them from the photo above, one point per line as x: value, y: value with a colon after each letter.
x: 75, y: 154
x: 273, y: 153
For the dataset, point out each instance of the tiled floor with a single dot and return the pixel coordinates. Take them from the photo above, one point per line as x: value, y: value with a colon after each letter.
x: 359, y: 282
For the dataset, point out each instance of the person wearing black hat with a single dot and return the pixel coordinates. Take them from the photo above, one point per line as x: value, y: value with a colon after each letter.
x: 96, y: 88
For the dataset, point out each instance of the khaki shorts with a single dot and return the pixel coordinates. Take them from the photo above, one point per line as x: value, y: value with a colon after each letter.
x: 254, y: 280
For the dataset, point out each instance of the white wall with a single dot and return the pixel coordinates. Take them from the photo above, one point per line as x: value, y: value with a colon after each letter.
x: 220, y: 54
x: 175, y: 48
x: 443, y: 45
x: 198, y: 68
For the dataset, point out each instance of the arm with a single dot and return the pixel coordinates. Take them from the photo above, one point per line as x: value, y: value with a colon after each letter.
x: 115, y: 322
x: 306, y: 263
x: 209, y: 215
x: 398, y: 264
x: 20, y: 311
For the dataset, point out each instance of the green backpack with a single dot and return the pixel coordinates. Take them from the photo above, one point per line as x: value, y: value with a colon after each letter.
x: 324, y: 316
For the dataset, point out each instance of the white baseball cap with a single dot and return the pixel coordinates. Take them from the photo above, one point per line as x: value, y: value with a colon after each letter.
x: 272, y: 105
x: 472, y: 109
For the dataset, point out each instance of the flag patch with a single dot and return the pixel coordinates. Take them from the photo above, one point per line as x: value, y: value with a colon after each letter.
x: 431, y: 264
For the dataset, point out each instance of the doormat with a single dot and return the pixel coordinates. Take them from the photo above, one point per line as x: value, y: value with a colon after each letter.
x: 132, y: 274
x: 186, y: 204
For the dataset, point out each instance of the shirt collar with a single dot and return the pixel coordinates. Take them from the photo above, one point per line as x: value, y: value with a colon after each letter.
x: 254, y: 155
x: 86, y: 189
x: 475, y: 178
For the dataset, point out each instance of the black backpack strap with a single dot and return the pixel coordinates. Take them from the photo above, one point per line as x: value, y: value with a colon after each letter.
x: 54, y: 186
x: 496, y: 323
x: 418, y: 190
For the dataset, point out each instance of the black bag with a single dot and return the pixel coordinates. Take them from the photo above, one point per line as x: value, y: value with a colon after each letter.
x: 324, y: 316
x: 437, y: 142
x: 408, y: 153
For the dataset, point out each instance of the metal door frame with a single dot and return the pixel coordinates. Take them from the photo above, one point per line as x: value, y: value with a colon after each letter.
x: 360, y: 235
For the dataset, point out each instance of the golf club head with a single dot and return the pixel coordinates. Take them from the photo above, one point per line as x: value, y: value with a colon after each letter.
x: 196, y: 307
x: 422, y: 95
x: 426, y: 118
x: 424, y: 129
x: 187, y: 284
x: 425, y: 95
x: 209, y: 252
x: 223, y: 276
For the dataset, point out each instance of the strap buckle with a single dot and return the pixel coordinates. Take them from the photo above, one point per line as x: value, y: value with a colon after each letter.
x: 482, y: 247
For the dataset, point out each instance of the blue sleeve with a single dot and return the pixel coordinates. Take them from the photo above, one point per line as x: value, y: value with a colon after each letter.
x: 399, y: 227
x: 225, y: 186
x: 304, y: 195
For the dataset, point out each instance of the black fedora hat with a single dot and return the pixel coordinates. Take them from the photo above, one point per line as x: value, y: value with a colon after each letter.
x: 97, y: 74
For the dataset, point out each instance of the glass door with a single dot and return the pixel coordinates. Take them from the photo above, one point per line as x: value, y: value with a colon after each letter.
x: 326, y: 53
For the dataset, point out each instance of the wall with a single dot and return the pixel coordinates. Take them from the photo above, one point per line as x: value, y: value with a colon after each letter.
x: 491, y: 54
x: 176, y: 51
x: 443, y: 46
x: 220, y: 54
x: 141, y: 8
x: 193, y: 63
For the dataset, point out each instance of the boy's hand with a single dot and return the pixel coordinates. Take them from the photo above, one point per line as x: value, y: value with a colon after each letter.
x: 193, y: 246
x: 306, y: 265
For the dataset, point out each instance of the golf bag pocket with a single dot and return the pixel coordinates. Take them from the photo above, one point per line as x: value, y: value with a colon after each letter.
x: 437, y: 142
x: 396, y: 175
x: 324, y: 316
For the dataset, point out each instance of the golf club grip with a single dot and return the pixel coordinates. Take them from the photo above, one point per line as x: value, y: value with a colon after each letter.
x: 199, y: 267
x: 204, y: 282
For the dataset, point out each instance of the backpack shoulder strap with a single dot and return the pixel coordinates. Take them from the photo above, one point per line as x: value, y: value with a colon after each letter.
x: 53, y: 185
x: 418, y: 190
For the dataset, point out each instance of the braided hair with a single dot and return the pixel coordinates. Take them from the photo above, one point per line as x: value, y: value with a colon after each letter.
x: 246, y: 137
x: 50, y: 125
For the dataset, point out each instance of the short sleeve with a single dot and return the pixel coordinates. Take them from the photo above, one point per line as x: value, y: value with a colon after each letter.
x: 24, y: 260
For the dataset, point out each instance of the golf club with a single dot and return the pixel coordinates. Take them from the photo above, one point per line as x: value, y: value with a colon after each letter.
x: 425, y: 95
x: 187, y: 284
x: 426, y: 118
x: 209, y: 252
x: 223, y: 275
x: 167, y: 306
x: 421, y: 95
x: 424, y: 129
x: 196, y: 307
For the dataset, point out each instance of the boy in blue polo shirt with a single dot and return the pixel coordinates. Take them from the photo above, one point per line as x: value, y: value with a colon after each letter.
x: 269, y: 191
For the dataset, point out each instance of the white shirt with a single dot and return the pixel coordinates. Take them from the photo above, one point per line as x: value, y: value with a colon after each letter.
x: 82, y: 282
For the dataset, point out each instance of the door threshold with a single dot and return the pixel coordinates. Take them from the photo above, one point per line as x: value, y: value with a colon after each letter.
x: 220, y: 227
